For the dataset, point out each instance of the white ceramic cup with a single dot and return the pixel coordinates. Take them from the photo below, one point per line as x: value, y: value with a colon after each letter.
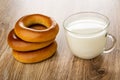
x: 87, y: 34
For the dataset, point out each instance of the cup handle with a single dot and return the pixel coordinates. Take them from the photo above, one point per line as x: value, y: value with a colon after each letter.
x: 113, y: 39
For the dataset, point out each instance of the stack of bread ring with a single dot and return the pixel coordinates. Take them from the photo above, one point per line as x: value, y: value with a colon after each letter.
x: 33, y: 38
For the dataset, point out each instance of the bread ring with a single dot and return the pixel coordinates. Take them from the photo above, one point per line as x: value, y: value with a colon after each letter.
x: 20, y: 45
x: 35, y: 56
x: 23, y: 31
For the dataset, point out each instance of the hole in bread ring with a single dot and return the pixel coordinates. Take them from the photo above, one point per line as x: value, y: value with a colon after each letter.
x: 35, y: 56
x: 23, y: 31
x: 20, y: 45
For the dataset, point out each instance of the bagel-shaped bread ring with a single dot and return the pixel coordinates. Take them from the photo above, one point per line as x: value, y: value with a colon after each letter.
x: 35, y: 56
x: 22, y: 28
x: 20, y: 45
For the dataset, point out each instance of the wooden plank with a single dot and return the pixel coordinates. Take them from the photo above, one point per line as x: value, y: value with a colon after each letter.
x: 63, y: 65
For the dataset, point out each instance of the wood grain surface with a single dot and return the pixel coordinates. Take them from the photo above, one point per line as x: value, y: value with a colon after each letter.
x: 63, y: 65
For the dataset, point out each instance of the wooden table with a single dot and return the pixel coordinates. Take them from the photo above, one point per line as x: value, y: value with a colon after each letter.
x: 63, y: 65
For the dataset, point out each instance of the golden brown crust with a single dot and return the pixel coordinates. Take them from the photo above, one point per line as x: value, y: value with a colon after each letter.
x: 35, y: 56
x: 32, y: 35
x: 20, y: 45
x: 32, y: 39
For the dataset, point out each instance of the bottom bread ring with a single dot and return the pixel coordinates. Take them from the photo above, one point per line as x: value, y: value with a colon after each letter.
x: 37, y: 55
x: 20, y: 45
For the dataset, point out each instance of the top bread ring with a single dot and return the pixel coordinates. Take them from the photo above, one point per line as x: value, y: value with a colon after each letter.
x: 22, y: 28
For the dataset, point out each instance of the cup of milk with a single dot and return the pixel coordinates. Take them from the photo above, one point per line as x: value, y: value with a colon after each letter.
x: 86, y: 34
